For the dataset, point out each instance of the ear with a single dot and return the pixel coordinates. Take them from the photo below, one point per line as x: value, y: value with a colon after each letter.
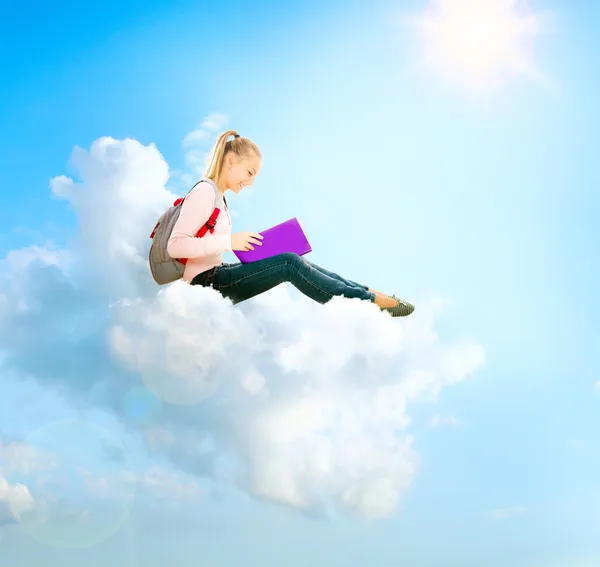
x: 229, y: 159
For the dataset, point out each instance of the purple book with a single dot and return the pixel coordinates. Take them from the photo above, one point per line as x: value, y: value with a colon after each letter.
x: 285, y: 237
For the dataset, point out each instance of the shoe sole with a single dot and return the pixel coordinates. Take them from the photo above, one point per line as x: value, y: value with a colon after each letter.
x: 401, y: 309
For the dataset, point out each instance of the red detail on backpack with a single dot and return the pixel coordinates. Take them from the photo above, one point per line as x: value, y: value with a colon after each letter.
x: 208, y: 226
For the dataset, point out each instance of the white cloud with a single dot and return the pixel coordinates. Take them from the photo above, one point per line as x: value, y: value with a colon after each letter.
x: 209, y: 126
x: 15, y: 500
x: 197, y: 145
x: 23, y: 459
x: 178, y: 339
x: 480, y: 44
x: 302, y: 403
x: 78, y: 476
x: 168, y: 485
x: 19, y: 259
x: 334, y: 402
x: 117, y: 202
x: 444, y: 421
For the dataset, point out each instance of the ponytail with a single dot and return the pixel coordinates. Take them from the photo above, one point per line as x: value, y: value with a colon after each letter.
x: 241, y: 147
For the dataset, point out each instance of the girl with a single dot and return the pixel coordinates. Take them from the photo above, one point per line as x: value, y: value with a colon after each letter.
x: 234, y: 165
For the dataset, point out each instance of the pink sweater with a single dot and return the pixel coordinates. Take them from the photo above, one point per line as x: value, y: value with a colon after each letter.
x: 206, y: 252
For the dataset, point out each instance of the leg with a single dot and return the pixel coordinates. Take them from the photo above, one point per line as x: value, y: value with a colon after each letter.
x: 396, y: 307
x: 348, y: 282
x: 240, y: 282
x: 386, y: 300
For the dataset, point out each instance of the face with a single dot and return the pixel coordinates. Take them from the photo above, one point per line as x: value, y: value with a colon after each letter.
x: 243, y: 172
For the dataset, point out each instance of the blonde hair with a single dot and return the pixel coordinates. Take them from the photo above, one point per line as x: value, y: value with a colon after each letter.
x: 241, y: 147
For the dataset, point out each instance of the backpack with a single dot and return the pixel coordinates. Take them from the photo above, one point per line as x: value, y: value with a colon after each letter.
x: 164, y: 268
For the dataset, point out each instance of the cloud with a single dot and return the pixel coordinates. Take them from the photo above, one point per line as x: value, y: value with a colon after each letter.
x: 15, y: 497
x: 168, y: 485
x: 15, y: 500
x: 292, y: 401
x: 121, y: 195
x: 84, y: 480
x: 316, y: 400
x: 78, y: 474
x: 208, y: 128
x: 23, y: 459
x: 197, y: 145
x: 444, y: 421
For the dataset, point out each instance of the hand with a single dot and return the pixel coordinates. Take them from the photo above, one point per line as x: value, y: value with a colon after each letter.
x: 245, y: 240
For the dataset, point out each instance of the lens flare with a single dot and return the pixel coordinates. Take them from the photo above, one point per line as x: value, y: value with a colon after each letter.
x: 142, y: 406
x: 86, y: 495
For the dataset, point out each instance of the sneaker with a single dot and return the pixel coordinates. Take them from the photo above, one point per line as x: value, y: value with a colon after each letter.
x: 401, y: 309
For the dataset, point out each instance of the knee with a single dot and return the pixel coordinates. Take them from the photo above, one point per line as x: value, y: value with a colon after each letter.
x: 292, y: 259
x: 290, y: 256
x: 292, y: 263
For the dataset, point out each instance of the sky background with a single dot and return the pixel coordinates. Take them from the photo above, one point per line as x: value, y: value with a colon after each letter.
x: 440, y: 151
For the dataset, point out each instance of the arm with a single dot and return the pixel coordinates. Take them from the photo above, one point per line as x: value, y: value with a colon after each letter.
x: 195, y: 211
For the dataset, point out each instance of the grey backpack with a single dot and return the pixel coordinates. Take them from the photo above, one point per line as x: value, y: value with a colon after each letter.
x: 164, y: 268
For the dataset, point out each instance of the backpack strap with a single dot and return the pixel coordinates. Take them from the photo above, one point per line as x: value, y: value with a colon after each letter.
x: 220, y: 203
x: 209, y: 225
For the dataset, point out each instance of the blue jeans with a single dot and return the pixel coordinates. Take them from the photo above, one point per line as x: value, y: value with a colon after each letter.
x: 239, y: 282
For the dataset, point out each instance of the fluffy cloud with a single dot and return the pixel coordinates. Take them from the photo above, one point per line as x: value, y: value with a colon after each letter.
x: 15, y: 497
x: 293, y: 401
x: 15, y: 500
x: 121, y: 195
x: 197, y: 145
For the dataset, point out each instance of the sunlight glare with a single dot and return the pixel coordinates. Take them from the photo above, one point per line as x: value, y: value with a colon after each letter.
x: 480, y: 42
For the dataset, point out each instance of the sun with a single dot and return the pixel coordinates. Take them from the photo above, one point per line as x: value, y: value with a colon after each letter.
x: 481, y: 43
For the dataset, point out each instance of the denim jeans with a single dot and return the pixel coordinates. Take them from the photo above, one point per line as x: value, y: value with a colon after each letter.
x: 240, y: 282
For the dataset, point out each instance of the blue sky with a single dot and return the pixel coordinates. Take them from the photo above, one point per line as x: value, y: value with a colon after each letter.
x: 405, y: 178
